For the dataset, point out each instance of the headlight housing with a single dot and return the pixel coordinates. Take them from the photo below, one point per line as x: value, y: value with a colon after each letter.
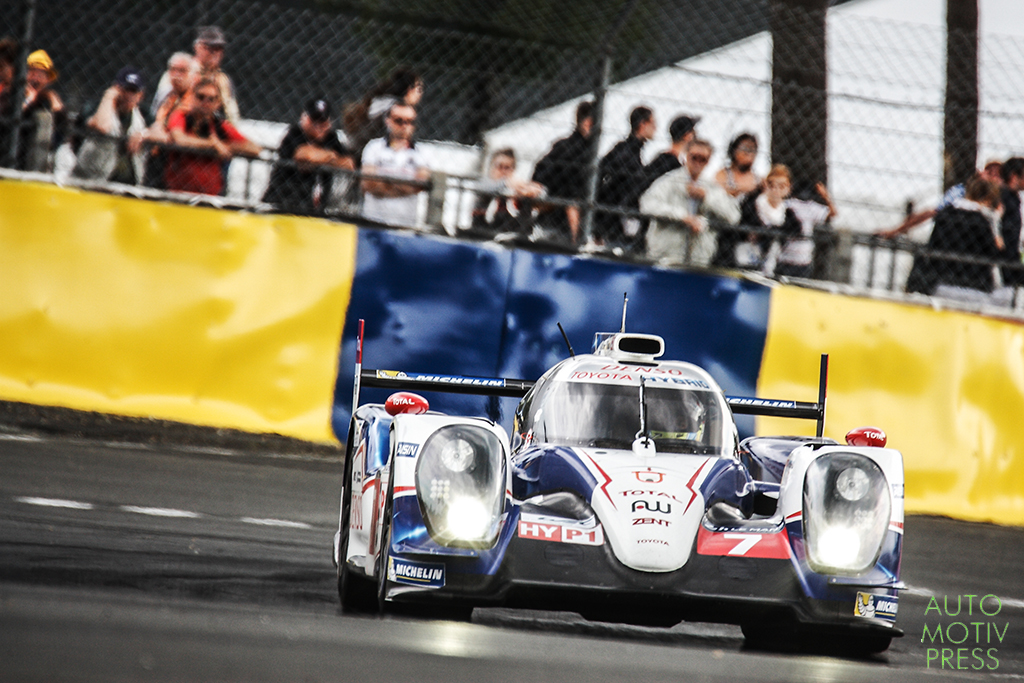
x: 460, y: 480
x: 847, y: 508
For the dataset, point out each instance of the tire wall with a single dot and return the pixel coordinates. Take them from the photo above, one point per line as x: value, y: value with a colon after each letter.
x: 946, y: 387
x: 196, y: 315
x: 234, y: 320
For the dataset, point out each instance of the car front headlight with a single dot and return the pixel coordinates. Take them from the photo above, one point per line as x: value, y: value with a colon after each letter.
x: 460, y: 480
x: 846, y: 513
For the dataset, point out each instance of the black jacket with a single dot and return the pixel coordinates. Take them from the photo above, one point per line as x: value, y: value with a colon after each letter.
x: 957, y: 232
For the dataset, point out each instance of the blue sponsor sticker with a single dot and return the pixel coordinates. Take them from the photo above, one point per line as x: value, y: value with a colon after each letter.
x: 871, y: 606
x: 415, y: 573
x: 406, y: 450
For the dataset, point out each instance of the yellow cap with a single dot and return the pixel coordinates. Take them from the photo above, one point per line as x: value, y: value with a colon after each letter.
x: 40, y: 60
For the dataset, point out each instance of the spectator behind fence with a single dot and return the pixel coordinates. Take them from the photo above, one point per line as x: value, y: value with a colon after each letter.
x: 796, y: 255
x: 302, y: 178
x: 766, y: 211
x: 620, y: 182
x: 990, y: 171
x: 682, y: 131
x: 969, y: 227
x: 395, y: 156
x: 112, y: 149
x: 687, y: 200
x: 504, y: 210
x: 1012, y: 174
x: 181, y: 70
x: 563, y: 171
x: 365, y: 120
x: 738, y: 177
x: 8, y: 61
x: 209, y: 48
x: 42, y: 114
x: 208, y: 139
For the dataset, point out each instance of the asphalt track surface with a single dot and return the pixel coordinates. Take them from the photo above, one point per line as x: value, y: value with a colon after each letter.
x: 122, y: 562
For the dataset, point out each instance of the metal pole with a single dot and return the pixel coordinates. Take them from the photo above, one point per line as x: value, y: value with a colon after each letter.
x: 10, y: 155
x: 595, y: 137
x: 608, y: 49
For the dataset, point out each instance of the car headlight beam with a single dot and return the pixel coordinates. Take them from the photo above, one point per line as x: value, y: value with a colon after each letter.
x: 847, y: 508
x: 460, y: 482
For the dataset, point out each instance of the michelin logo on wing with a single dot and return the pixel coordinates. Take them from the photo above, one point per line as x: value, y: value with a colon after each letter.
x: 415, y: 573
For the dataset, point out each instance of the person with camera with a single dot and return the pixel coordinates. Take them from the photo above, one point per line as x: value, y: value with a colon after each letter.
x: 203, y: 141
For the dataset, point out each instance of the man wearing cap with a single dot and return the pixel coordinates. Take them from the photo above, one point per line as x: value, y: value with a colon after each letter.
x: 42, y: 113
x: 682, y: 130
x: 302, y: 178
x: 113, y: 149
x: 209, y: 53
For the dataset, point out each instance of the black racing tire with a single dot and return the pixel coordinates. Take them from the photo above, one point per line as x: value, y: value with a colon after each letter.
x: 354, y: 591
x: 384, y: 556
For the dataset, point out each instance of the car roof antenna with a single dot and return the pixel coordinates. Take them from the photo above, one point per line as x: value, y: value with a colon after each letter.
x: 625, y: 301
x: 642, y: 442
x: 566, y: 338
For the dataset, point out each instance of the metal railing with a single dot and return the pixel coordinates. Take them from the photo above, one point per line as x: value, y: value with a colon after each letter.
x: 860, y: 263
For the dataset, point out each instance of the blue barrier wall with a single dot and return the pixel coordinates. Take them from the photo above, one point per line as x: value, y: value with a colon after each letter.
x: 448, y: 307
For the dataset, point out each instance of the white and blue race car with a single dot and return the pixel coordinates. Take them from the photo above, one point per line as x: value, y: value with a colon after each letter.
x: 623, y: 494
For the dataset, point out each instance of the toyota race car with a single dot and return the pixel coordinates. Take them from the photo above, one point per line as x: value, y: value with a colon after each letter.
x: 623, y: 494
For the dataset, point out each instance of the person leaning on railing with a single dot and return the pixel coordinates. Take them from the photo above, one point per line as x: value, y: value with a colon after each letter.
x: 687, y: 200
x: 180, y: 74
x: 115, y: 154
x: 43, y: 116
x: 397, y: 158
x: 301, y: 181
x: 964, y: 244
x: 563, y: 171
x: 206, y: 140
x: 503, y: 205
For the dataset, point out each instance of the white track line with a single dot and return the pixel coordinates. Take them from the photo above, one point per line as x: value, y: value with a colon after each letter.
x: 55, y: 503
x: 159, y: 512
x: 277, y: 522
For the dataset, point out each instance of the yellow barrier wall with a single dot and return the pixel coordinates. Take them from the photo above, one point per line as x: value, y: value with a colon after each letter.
x: 947, y: 388
x: 196, y: 315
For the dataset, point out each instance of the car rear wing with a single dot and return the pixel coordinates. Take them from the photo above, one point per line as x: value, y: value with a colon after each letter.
x: 398, y: 380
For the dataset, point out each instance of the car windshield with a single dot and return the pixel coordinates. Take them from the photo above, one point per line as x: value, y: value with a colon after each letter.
x: 608, y: 416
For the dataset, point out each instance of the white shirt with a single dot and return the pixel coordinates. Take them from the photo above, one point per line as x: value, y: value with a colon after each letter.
x: 403, y: 163
x: 799, y: 251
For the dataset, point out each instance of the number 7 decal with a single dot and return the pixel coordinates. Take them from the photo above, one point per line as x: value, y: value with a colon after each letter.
x: 746, y: 542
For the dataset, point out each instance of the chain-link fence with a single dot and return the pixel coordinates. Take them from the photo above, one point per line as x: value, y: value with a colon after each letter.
x: 854, y: 102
